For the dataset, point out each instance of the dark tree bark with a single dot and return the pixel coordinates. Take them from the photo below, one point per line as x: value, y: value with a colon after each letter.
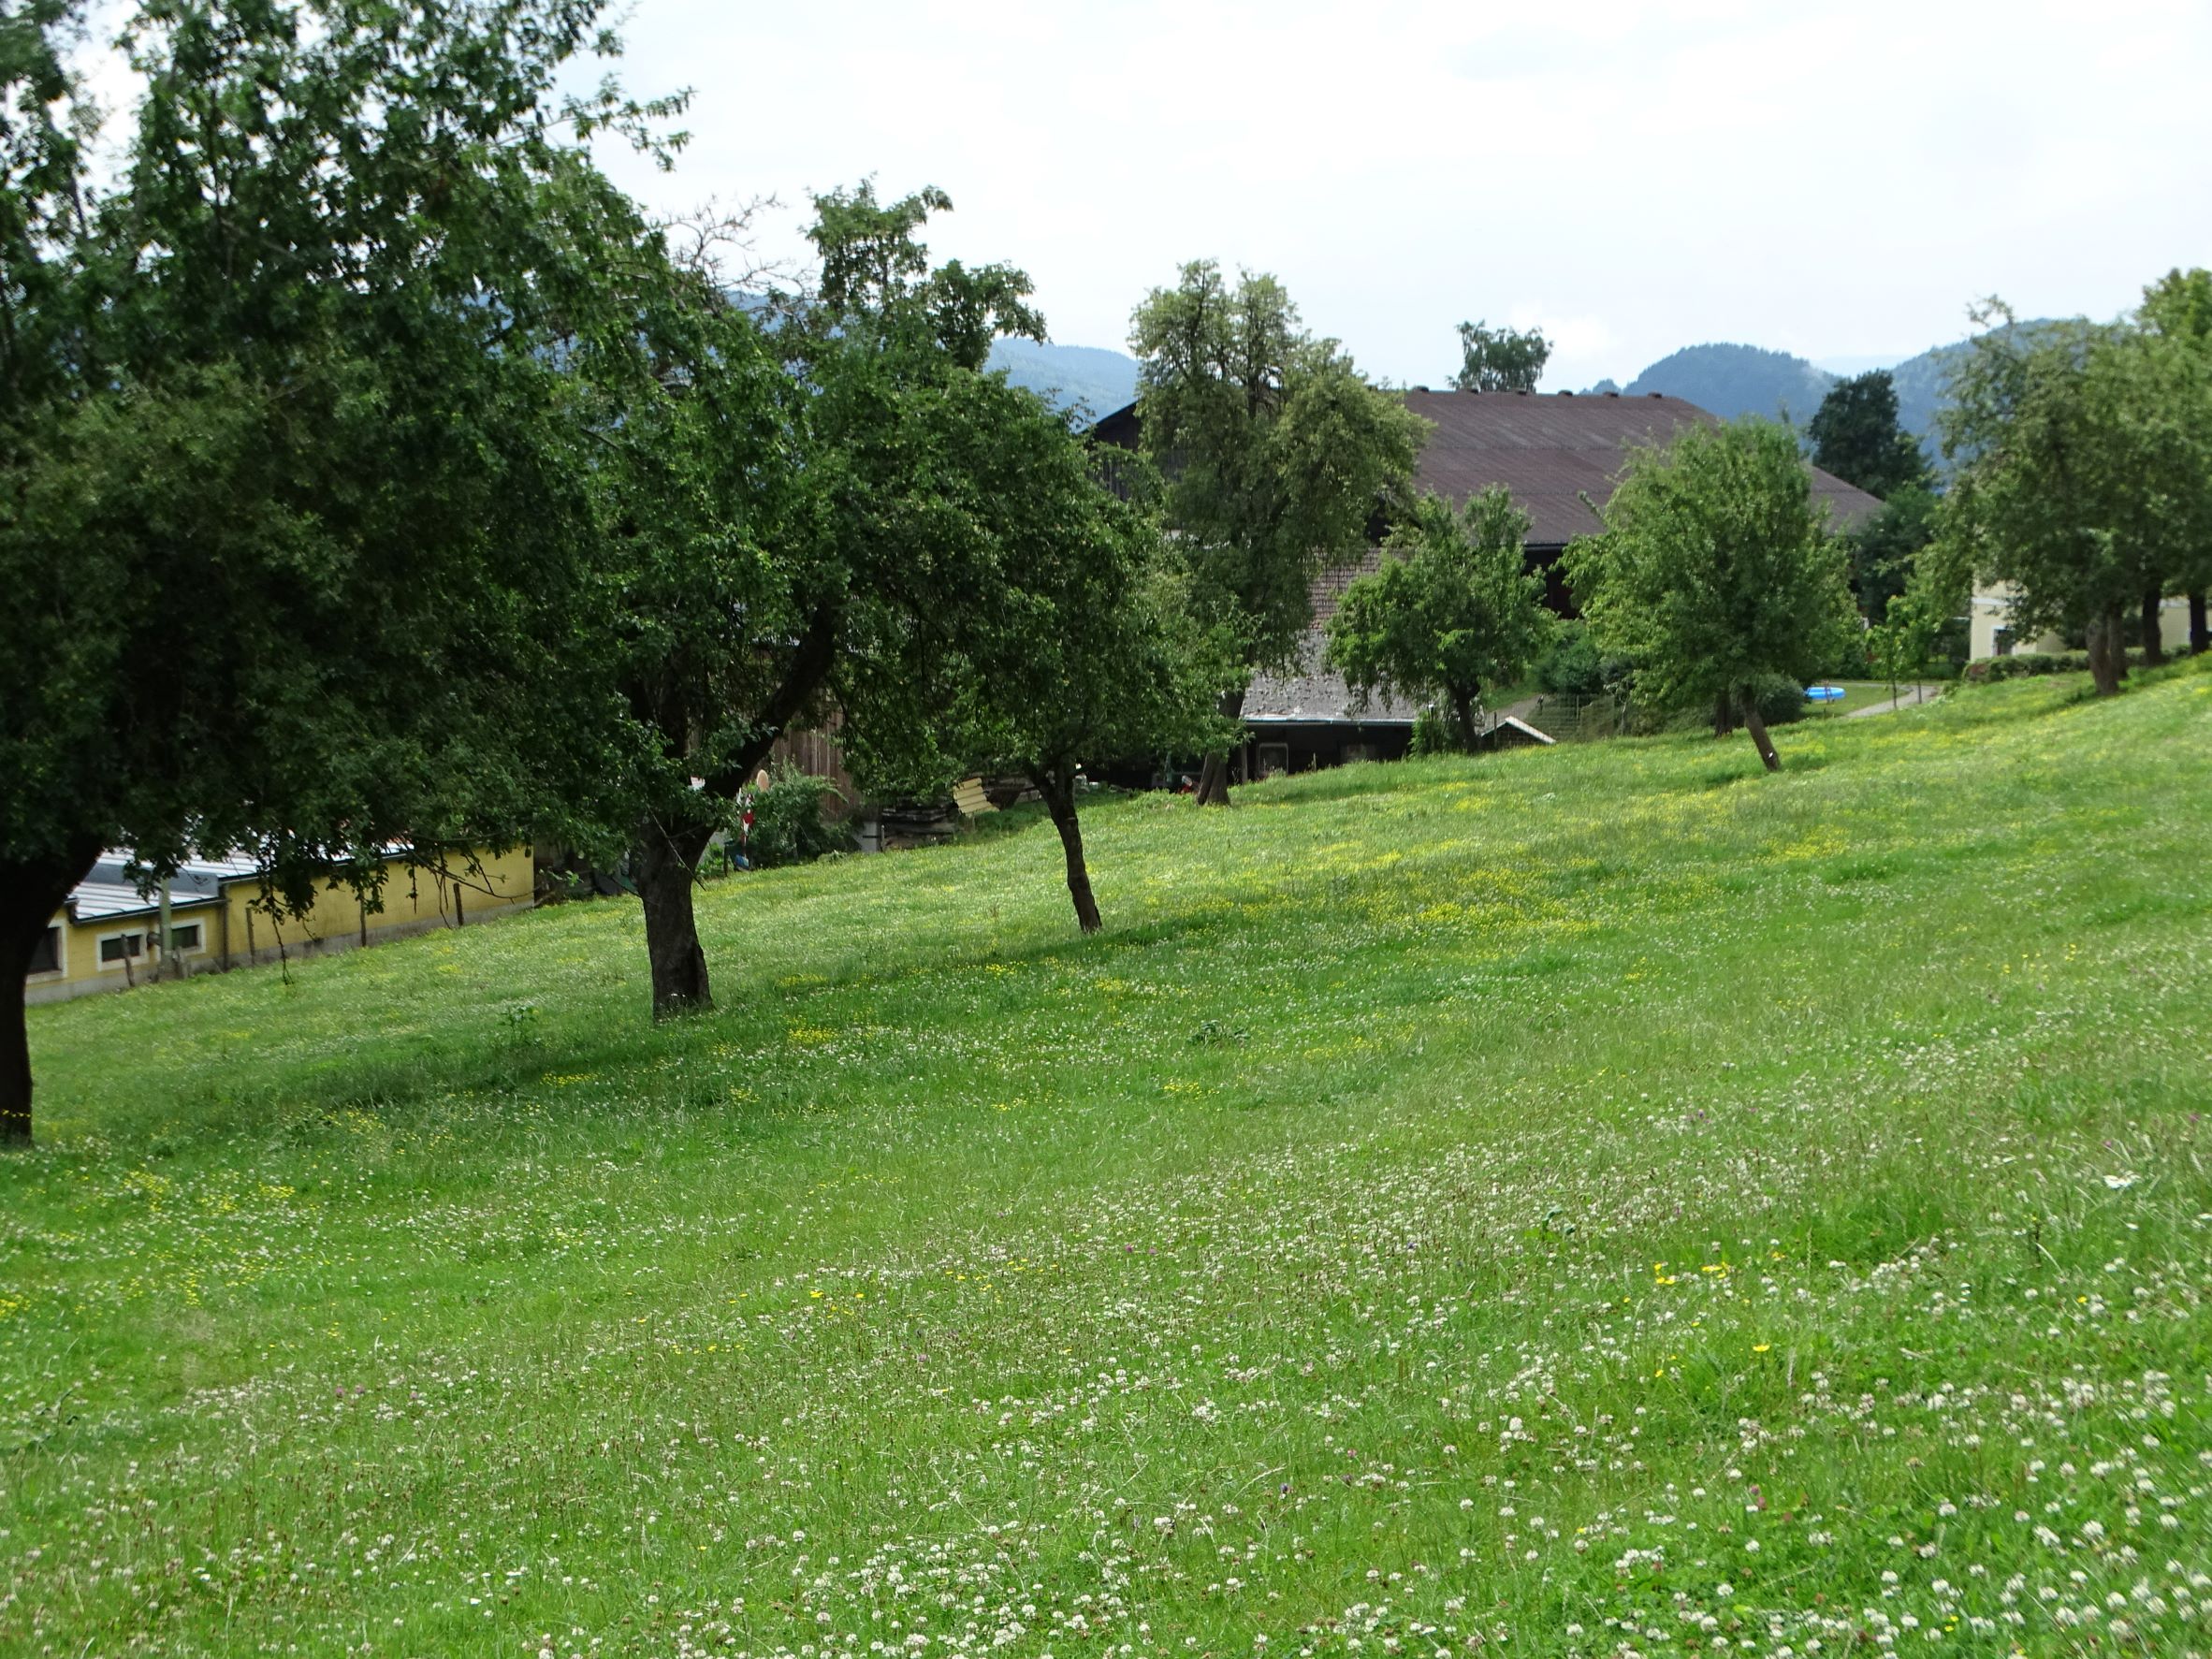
x: 666, y: 865
x: 30, y: 894
x: 1756, y: 725
x: 1462, y: 714
x: 2200, y: 633
x: 1212, y: 784
x: 1058, y: 787
x: 2154, y: 641
x: 1723, y: 715
x: 2108, y: 656
x: 667, y: 862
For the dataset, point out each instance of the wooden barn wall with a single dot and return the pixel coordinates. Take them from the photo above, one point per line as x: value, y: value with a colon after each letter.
x: 818, y: 753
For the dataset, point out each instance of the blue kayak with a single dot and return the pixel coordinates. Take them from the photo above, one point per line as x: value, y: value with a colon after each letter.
x: 1824, y: 693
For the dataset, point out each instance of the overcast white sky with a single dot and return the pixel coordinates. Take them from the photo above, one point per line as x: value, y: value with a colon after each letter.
x: 1833, y: 180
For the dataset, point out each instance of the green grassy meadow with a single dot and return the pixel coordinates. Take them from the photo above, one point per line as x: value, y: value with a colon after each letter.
x: 1587, y: 1201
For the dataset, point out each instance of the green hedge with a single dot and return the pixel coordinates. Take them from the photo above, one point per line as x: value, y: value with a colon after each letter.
x: 2021, y: 665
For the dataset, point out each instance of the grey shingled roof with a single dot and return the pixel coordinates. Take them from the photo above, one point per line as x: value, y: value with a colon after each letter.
x: 1311, y: 692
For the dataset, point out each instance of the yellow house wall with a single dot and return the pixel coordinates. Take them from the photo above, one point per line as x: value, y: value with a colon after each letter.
x: 233, y: 933
x: 413, y: 900
x: 1992, y: 611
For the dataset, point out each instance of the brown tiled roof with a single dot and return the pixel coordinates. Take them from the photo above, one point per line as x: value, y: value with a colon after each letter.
x: 1551, y: 450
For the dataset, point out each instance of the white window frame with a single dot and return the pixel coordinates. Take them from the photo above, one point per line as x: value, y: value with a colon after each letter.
x: 60, y: 970
x: 199, y: 922
x: 100, y: 954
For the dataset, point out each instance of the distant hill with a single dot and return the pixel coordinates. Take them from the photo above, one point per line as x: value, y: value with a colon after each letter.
x: 1732, y: 380
x: 1102, y: 381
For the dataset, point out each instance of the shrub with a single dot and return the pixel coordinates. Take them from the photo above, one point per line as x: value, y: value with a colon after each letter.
x: 2023, y: 664
x: 1432, y: 735
x: 790, y: 820
x: 1573, y: 664
x: 1780, y: 699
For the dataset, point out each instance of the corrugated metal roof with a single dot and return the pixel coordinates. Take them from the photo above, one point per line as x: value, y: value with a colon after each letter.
x: 97, y: 900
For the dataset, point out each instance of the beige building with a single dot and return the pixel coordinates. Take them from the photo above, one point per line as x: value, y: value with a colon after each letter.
x: 1990, y: 631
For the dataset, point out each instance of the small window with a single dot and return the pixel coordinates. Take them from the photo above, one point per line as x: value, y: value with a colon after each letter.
x: 184, y: 936
x: 2002, y: 646
x: 46, y: 955
x: 1273, y: 758
x: 122, y: 947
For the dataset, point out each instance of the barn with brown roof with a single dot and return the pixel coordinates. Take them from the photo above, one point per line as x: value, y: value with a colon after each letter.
x: 1557, y: 453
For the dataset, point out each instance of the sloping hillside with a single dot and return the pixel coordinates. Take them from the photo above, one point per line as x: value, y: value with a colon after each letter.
x: 1732, y: 380
x: 1735, y: 379
x: 1545, y: 1203
x: 1100, y: 380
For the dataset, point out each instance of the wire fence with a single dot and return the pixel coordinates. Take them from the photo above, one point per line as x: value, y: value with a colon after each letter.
x: 1576, y: 716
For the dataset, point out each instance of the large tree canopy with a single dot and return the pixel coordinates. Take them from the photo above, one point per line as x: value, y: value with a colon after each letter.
x: 1715, y: 570
x: 2178, y: 307
x: 783, y: 491
x: 1500, y: 359
x: 1276, y: 457
x: 1454, y: 609
x: 1072, y: 643
x: 2081, y: 457
x: 1856, y: 435
x: 285, y: 494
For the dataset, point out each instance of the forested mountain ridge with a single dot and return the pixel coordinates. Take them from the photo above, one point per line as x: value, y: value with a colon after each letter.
x: 1735, y: 379
x: 1732, y: 380
x: 1100, y: 379
x: 1727, y: 379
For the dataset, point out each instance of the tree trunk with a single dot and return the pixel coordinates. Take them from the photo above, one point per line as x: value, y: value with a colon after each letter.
x: 1058, y: 787
x: 30, y: 894
x: 2154, y: 643
x: 667, y: 864
x: 2200, y: 633
x: 1462, y: 714
x: 2108, y: 658
x: 1212, y: 784
x: 1723, y: 715
x: 1756, y: 725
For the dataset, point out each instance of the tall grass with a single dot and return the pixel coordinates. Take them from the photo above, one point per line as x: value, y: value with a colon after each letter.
x: 1574, y: 1201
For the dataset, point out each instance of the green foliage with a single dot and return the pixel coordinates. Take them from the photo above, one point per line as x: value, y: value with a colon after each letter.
x: 286, y: 491
x: 1884, y: 548
x: 792, y: 821
x: 1070, y: 637
x: 1572, y: 664
x: 290, y: 496
x: 1500, y: 359
x: 782, y: 497
x: 1374, y: 1050
x: 1715, y: 572
x: 2083, y: 471
x: 1275, y: 454
x: 2178, y: 309
x: 1453, y: 608
x: 1856, y: 436
x: 2030, y: 665
x: 1434, y: 733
